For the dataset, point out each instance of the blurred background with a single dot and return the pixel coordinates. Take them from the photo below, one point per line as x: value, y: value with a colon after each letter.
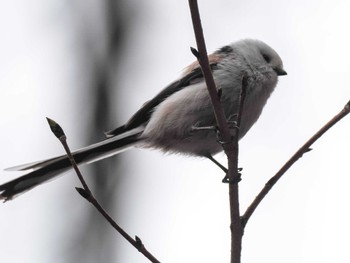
x: 90, y: 65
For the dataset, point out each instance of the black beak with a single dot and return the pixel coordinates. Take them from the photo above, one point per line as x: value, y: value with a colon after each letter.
x: 280, y: 71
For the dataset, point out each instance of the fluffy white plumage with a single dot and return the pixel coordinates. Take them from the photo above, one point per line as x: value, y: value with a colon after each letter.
x: 166, y: 122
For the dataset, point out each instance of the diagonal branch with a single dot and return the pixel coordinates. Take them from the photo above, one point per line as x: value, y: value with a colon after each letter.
x: 86, y: 193
x: 304, y: 149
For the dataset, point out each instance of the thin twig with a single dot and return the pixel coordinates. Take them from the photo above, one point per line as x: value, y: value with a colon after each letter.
x: 229, y: 144
x: 86, y: 193
x: 203, y: 60
x: 304, y: 149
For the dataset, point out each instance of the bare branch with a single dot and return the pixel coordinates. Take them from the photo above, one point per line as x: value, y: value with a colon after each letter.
x: 304, y: 149
x: 86, y: 193
x: 229, y: 143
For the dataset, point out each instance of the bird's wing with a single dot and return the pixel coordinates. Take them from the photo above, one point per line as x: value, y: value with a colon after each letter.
x: 192, y: 73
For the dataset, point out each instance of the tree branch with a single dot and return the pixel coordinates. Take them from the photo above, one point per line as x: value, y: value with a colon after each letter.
x: 304, y: 149
x: 86, y: 193
x: 229, y: 142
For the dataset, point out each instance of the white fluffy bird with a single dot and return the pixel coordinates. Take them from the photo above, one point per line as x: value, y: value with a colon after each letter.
x: 166, y: 122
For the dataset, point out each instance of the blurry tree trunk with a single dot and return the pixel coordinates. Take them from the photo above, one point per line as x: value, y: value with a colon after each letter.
x: 92, y: 241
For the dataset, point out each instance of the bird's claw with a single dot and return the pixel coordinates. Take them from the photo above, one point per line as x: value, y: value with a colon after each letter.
x: 236, y: 179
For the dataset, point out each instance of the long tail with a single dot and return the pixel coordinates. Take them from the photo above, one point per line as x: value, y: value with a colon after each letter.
x: 45, y: 170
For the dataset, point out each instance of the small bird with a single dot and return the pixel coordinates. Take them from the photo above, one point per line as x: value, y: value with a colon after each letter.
x: 168, y: 121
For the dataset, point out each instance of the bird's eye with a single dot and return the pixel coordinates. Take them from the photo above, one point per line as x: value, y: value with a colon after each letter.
x: 267, y: 58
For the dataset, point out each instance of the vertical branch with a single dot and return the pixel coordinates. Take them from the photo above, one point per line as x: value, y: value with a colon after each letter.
x: 229, y: 142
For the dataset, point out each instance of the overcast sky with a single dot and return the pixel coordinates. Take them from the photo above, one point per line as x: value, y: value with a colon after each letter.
x: 178, y: 205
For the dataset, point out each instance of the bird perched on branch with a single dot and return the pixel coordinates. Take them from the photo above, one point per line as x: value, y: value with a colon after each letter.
x: 168, y: 121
